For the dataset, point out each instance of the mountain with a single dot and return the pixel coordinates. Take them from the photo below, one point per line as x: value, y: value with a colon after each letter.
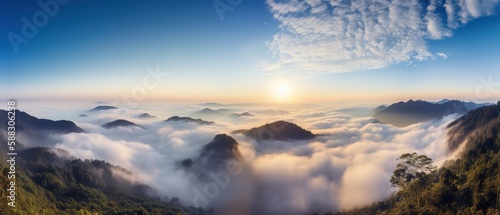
x: 379, y: 108
x: 481, y: 121
x: 279, y: 130
x: 120, y: 123
x: 188, y: 120
x: 468, y: 185
x: 402, y: 114
x: 442, y: 101
x: 237, y: 116
x: 223, y: 147
x: 145, y: 116
x: 30, y: 124
x: 208, y: 113
x: 241, y: 114
x: 50, y: 181
x: 102, y: 107
x: 213, y: 156
x: 246, y: 114
x: 212, y: 112
x: 32, y: 131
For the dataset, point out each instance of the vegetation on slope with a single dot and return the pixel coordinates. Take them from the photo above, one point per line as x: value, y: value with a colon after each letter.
x: 49, y: 184
x: 468, y: 185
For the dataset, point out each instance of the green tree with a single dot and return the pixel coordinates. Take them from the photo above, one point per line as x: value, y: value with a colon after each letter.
x: 411, y: 177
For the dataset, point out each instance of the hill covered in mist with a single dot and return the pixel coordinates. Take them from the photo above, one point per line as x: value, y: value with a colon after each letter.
x: 467, y: 185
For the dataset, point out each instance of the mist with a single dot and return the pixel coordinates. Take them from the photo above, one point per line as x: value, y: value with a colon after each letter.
x: 348, y: 164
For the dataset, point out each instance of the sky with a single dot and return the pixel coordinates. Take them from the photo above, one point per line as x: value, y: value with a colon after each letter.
x: 249, y: 51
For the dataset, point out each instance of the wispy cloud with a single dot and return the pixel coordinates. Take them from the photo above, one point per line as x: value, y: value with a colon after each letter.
x: 442, y: 55
x: 342, y: 36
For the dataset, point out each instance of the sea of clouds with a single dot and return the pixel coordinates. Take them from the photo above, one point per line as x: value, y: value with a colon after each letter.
x: 348, y: 164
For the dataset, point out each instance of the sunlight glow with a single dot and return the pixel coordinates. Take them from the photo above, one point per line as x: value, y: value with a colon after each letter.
x: 282, y: 92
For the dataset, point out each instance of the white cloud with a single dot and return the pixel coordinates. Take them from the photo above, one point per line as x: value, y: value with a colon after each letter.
x: 342, y: 36
x: 348, y: 165
x: 442, y: 55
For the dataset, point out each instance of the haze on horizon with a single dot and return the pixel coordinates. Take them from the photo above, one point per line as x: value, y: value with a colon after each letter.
x: 259, y: 51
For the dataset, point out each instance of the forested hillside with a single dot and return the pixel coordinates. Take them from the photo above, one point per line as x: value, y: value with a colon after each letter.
x: 468, y: 185
x: 50, y: 181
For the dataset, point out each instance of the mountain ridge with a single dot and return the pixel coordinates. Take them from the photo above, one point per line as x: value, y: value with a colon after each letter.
x: 29, y: 123
x: 188, y: 120
x: 402, y: 114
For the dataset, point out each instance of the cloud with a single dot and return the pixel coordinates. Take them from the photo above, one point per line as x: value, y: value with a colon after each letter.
x: 343, y: 36
x: 442, y: 55
x: 97, y: 146
x: 348, y: 165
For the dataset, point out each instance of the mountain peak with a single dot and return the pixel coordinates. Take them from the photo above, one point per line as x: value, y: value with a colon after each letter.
x: 222, y: 148
x: 146, y: 116
x: 442, y: 101
x: 221, y: 141
x: 120, y: 123
x: 102, y: 107
x: 278, y: 130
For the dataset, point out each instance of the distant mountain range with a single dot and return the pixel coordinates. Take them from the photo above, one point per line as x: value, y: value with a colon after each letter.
x: 236, y: 115
x: 216, y: 114
x: 279, y: 130
x: 209, y: 111
x: 120, y: 123
x: 402, y: 114
x: 188, y: 120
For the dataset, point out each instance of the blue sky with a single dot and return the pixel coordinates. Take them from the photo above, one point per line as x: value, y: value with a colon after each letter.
x: 313, y: 50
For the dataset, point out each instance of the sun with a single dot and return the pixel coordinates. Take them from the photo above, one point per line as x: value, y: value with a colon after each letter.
x: 282, y: 92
